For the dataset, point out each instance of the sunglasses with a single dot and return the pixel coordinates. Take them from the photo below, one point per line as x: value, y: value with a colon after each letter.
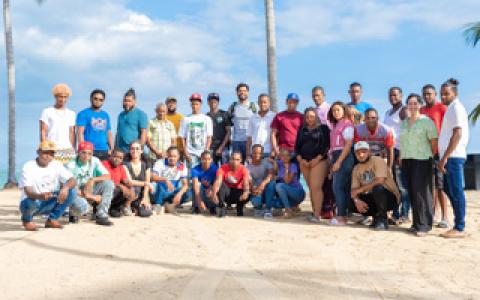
x: 86, y: 152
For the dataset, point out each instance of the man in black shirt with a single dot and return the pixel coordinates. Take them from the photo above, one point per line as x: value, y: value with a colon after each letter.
x: 221, y: 128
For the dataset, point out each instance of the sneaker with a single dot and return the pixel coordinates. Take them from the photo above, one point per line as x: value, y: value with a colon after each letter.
x: 313, y: 219
x: 127, y: 211
x: 213, y: 211
x: 373, y: 223
x: 104, y: 222
x: 443, y: 224
x: 380, y: 225
x: 453, y: 234
x: 73, y: 219
x: 115, y: 213
x: 30, y: 226
x: 157, y: 209
x: 221, y: 212
x: 365, y: 220
x: 288, y: 213
x: 258, y: 213
x: 53, y: 224
x: 170, y: 208
x: 195, y: 210
x: 267, y: 215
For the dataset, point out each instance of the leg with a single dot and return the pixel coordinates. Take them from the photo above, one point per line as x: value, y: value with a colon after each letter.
x: 422, y: 188
x: 342, y: 185
x: 105, y: 189
x: 160, y: 193
x: 235, y: 198
x: 60, y: 208
x: 454, y: 187
x: 318, y: 175
x: 29, y: 207
x: 268, y: 194
x: 408, y: 172
x: 223, y: 195
x: 256, y: 201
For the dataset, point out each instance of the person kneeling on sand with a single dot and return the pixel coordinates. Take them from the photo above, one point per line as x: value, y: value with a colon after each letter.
x: 171, y: 181
x: 231, y: 185
x: 203, y: 177
x: 47, y: 188
x: 374, y: 191
x: 94, y: 185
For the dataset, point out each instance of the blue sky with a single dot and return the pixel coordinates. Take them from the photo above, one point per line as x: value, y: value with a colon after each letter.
x: 178, y: 47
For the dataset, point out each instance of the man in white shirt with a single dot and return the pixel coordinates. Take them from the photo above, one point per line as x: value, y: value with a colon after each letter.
x: 57, y: 124
x: 47, y: 188
x: 259, y: 129
x: 197, y: 131
x: 452, y: 145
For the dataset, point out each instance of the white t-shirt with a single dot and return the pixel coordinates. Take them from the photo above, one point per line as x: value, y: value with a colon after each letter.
x: 395, y: 123
x: 43, y: 180
x: 195, y: 129
x: 58, y: 123
x: 240, y: 119
x: 259, y: 130
x: 455, y: 116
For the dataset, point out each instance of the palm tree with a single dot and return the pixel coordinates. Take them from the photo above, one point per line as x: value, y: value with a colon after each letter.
x: 472, y: 35
x: 271, y: 50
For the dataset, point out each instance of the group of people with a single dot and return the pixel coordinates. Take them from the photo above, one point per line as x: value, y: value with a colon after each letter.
x: 351, y: 162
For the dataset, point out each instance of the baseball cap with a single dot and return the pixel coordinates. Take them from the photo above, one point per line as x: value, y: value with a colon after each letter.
x: 47, y: 146
x: 293, y: 96
x: 212, y: 96
x: 362, y: 145
x: 196, y: 96
x: 170, y: 98
x: 85, y: 146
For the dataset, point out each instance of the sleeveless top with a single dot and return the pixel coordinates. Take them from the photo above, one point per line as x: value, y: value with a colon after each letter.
x: 337, y: 141
x: 140, y: 177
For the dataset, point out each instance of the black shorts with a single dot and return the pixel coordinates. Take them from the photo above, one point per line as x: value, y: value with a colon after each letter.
x: 437, y: 175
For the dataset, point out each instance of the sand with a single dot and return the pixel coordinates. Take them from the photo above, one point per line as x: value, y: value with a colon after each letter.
x: 200, y: 257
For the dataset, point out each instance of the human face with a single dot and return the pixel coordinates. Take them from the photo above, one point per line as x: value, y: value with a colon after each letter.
x: 129, y: 103
x: 337, y: 112
x: 257, y: 154
x: 136, y: 150
x: 242, y: 93
x: 45, y: 157
x: 235, y: 160
x: 310, y: 118
x: 292, y: 105
x: 213, y: 104
x: 116, y: 158
x: 60, y: 100
x: 447, y: 95
x: 161, y: 112
x: 362, y: 155
x: 173, y: 157
x: 206, y: 161
x: 318, y: 97
x: 413, y: 106
x: 264, y: 103
x: 395, y: 97
x: 97, y: 100
x: 429, y: 95
x: 196, y: 106
x: 355, y: 94
x: 285, y: 156
x: 171, y: 106
x: 85, y: 155
x: 371, y: 119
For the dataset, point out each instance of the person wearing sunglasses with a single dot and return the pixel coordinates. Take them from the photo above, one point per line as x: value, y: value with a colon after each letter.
x: 93, y: 183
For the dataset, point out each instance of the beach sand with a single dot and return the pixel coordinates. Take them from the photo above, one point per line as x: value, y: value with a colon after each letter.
x: 200, y: 257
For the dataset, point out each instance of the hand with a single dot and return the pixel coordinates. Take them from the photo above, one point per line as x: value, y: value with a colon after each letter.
x: 170, y: 186
x: 62, y: 195
x: 304, y: 164
x: 315, y: 161
x: 441, y: 165
x: 88, y: 187
x: 244, y: 196
x: 176, y: 199
x: 159, y: 154
x: 45, y: 196
x: 219, y: 151
x: 146, y: 202
x: 356, y: 192
x: 336, y: 166
x: 188, y: 158
x: 361, y: 206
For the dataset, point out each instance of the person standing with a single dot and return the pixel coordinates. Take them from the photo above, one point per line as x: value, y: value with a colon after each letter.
x: 57, y: 124
x: 360, y: 107
x: 285, y: 126
x: 318, y: 96
x: 259, y: 130
x: 418, y: 142
x: 196, y: 130
x: 93, y: 125
x: 176, y: 119
x: 453, y: 152
x: 161, y: 134
x: 240, y: 113
x: 311, y: 147
x: 132, y: 123
x: 221, y: 129
x: 435, y: 111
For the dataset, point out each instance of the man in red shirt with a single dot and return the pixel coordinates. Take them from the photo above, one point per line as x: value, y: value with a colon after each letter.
x: 123, y: 194
x: 231, y: 185
x: 435, y: 111
x: 285, y: 126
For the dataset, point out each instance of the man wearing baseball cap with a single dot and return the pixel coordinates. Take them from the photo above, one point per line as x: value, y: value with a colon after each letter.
x: 47, y: 188
x: 285, y: 126
x: 94, y: 185
x: 221, y: 128
x: 374, y: 191
x: 196, y: 130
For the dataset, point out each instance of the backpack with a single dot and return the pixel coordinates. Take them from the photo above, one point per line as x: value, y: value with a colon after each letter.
x: 231, y: 110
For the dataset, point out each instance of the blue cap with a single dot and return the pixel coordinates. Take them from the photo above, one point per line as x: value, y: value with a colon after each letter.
x: 293, y: 96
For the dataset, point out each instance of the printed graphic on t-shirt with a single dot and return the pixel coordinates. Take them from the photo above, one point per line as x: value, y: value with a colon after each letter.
x: 197, y: 133
x: 367, y: 177
x: 98, y: 124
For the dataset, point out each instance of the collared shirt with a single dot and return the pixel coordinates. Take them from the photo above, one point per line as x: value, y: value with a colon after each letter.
x: 259, y: 130
x: 160, y: 133
x: 392, y: 120
x: 322, y: 112
x: 415, y: 141
x: 455, y: 116
x: 129, y: 126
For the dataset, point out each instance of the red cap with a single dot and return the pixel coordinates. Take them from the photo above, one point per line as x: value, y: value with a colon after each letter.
x: 85, y: 146
x: 196, y: 96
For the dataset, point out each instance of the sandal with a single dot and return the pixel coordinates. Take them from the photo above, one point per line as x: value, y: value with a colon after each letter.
x: 335, y: 222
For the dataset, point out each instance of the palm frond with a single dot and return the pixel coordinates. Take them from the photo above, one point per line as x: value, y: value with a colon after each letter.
x: 475, y: 114
x: 472, y: 33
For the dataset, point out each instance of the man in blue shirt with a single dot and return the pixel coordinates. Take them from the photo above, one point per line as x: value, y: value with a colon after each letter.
x: 203, y: 177
x: 132, y: 123
x: 93, y: 125
x: 360, y: 106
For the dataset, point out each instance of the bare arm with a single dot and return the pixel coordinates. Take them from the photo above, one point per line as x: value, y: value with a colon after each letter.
x: 226, y: 139
x: 80, y: 134
x: 273, y: 140
x: 368, y: 187
x: 434, y: 145
x: 110, y: 139
x: 72, y: 136
x: 209, y: 142
x: 143, y: 136
x: 43, y: 131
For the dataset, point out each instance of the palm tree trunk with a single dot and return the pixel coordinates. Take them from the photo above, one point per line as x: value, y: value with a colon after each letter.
x: 271, y: 53
x: 12, y: 181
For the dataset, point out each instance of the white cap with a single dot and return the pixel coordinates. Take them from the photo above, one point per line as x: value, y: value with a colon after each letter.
x: 362, y: 145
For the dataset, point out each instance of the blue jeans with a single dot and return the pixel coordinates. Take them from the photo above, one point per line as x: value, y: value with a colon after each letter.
x: 105, y: 188
x: 265, y: 198
x: 208, y: 202
x: 342, y: 182
x: 453, y: 184
x: 240, y: 146
x: 289, y: 195
x: 30, y: 207
x: 162, y: 194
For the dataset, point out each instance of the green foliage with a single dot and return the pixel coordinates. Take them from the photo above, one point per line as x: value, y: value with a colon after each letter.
x: 472, y: 33
x: 475, y: 114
